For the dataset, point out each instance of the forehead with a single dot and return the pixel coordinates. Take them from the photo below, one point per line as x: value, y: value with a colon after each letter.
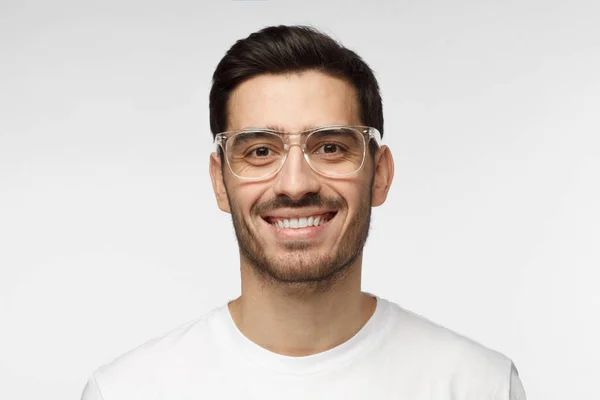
x: 293, y: 101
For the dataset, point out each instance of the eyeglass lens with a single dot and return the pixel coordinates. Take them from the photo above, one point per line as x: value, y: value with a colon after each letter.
x: 333, y: 152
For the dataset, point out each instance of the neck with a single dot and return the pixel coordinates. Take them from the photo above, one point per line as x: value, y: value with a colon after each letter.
x: 298, y: 323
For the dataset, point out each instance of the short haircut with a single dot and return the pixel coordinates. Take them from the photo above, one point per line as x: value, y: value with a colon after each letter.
x: 292, y: 49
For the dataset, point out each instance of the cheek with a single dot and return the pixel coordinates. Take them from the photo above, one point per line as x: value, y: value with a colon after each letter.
x: 355, y: 192
x: 246, y: 196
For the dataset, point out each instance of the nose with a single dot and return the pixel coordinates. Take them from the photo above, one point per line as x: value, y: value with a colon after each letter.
x: 296, y: 178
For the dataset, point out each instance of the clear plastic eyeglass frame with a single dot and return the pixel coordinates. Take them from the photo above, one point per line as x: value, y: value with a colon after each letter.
x: 298, y: 139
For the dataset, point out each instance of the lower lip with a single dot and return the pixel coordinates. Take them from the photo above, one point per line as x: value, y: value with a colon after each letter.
x: 309, y: 232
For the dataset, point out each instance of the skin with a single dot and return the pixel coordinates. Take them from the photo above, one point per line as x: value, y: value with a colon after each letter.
x: 300, y: 296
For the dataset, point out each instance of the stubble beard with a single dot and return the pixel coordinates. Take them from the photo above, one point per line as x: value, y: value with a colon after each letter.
x: 301, y: 270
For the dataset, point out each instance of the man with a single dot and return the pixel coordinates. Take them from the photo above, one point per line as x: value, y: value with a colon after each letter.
x: 299, y: 163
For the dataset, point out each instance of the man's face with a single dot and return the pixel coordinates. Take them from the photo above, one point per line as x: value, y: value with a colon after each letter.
x: 312, y: 257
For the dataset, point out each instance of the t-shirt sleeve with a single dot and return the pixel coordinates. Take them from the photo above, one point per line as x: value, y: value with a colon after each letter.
x: 517, y: 392
x: 91, y: 390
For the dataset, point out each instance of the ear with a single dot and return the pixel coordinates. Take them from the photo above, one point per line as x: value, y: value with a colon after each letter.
x: 384, y: 174
x: 218, y: 184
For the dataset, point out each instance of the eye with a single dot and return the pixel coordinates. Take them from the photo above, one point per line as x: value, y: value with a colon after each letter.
x: 328, y: 148
x: 260, y: 152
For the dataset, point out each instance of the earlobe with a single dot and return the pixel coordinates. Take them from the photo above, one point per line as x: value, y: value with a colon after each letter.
x: 218, y: 183
x: 384, y: 174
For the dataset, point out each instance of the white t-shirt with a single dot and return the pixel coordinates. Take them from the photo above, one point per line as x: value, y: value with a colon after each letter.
x: 396, y: 355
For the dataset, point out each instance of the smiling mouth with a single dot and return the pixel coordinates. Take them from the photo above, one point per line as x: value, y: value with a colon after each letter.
x: 300, y: 222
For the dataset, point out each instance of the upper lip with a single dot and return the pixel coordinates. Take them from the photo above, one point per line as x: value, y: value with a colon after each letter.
x: 297, y: 213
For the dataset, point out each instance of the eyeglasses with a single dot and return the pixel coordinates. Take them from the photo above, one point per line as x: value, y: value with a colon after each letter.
x: 334, y: 151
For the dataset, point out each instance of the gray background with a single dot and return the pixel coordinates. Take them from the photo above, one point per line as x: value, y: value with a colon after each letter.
x: 110, y: 234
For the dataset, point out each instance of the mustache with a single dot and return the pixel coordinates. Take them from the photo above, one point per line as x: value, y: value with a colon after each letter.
x: 309, y: 200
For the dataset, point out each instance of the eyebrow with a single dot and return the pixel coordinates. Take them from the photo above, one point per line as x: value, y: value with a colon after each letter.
x: 280, y: 128
x: 241, y: 139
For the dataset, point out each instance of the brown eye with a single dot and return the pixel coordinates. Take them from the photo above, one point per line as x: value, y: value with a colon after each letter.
x: 328, y: 148
x: 261, y: 152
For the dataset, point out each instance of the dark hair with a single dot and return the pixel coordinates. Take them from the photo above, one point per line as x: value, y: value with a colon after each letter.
x: 288, y: 49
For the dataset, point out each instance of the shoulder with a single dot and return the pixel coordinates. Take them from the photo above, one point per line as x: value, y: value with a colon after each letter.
x: 165, y: 357
x: 447, y: 356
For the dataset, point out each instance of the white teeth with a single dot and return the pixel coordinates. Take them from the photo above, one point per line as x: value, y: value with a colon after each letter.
x: 303, y: 222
